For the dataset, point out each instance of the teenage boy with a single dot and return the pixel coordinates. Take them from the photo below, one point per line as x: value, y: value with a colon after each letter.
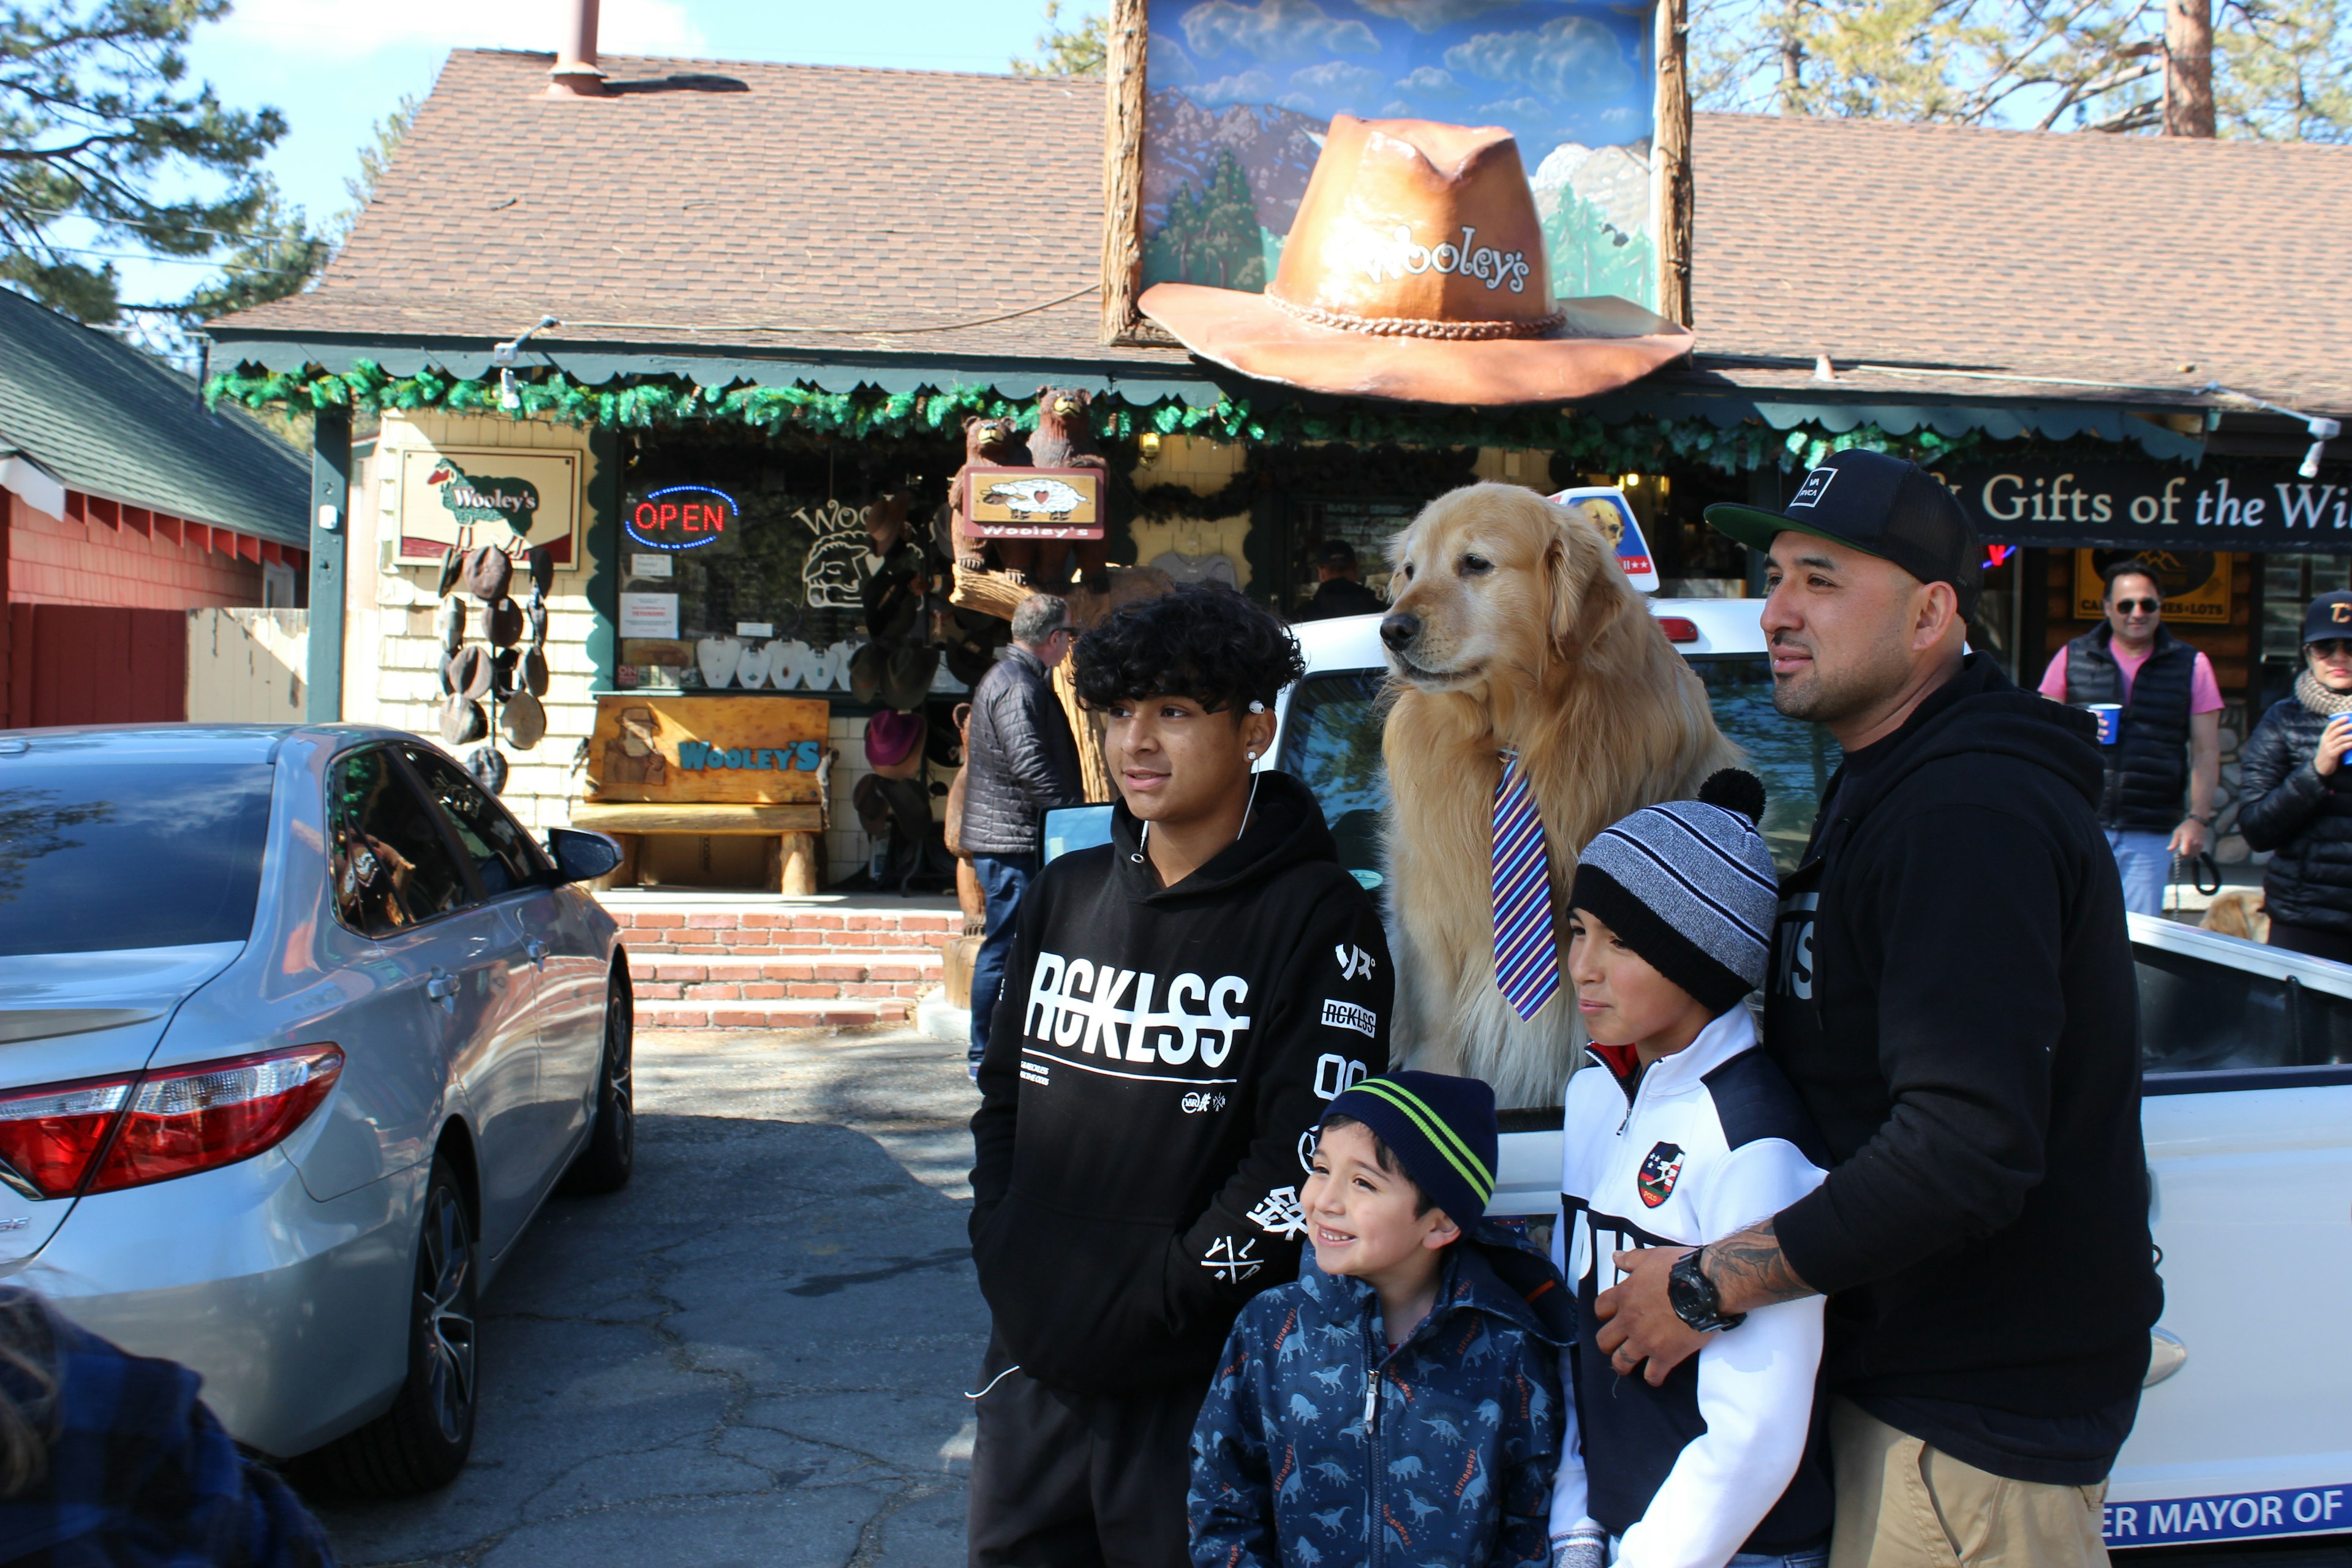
x: 1680, y: 1133
x: 1178, y: 1006
x: 1400, y: 1400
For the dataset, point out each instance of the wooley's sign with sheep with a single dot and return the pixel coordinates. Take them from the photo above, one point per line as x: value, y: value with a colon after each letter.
x: 494, y: 495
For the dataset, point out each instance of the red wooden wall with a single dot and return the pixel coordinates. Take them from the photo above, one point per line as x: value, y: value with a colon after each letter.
x: 80, y: 664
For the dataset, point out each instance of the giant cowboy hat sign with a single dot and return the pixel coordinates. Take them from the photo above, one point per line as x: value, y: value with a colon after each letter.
x: 1415, y: 270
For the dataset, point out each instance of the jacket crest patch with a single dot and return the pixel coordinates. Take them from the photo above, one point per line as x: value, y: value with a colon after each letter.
x: 1659, y: 1170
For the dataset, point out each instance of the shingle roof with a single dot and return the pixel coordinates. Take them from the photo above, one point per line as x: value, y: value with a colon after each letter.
x: 848, y: 211
x: 112, y: 422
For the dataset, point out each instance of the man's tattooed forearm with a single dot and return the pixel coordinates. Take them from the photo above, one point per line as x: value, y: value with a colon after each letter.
x: 1749, y: 1271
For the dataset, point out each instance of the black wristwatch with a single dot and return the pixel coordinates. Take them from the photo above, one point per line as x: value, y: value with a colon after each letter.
x: 1694, y: 1297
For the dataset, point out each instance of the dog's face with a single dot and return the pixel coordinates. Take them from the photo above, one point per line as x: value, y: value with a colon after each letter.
x: 1491, y: 579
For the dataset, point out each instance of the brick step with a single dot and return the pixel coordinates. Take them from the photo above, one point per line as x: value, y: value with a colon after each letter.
x: 911, y: 922
x: 660, y: 967
x: 773, y: 1015
x: 793, y: 947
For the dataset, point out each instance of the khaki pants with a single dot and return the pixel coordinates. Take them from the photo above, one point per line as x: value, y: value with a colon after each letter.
x: 1903, y: 1504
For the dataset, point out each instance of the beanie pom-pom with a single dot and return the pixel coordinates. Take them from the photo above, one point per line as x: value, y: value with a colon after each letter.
x: 1734, y: 789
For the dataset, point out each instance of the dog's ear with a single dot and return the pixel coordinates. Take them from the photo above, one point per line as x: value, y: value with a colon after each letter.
x: 1581, y: 608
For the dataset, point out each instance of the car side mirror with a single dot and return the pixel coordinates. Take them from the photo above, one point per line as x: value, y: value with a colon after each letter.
x: 581, y: 856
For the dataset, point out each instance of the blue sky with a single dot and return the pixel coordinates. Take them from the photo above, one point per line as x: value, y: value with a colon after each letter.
x: 334, y: 68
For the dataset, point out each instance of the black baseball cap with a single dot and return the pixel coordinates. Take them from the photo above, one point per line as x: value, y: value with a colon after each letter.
x: 1335, y: 553
x: 2329, y: 618
x: 1880, y: 505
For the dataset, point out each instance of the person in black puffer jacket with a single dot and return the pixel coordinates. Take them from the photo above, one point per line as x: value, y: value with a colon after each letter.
x: 2291, y: 782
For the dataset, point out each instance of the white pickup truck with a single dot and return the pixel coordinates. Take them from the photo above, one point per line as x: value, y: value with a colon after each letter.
x: 2245, y: 1431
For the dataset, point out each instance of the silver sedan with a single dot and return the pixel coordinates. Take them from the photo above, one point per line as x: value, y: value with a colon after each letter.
x: 298, y: 1029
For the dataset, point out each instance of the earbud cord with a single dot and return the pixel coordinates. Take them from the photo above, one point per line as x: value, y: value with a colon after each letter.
x: 1143, y: 842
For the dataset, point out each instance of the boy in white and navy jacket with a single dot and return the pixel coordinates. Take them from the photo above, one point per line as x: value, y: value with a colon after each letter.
x: 1680, y: 1133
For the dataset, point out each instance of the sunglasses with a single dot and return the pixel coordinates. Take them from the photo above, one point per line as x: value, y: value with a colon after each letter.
x: 2332, y: 647
x: 2130, y: 607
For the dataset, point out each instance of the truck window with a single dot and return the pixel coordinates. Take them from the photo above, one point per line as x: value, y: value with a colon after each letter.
x: 1331, y: 744
x: 2197, y: 1016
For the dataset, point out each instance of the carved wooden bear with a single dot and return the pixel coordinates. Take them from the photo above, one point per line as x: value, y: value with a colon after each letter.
x: 987, y: 443
x: 1065, y: 439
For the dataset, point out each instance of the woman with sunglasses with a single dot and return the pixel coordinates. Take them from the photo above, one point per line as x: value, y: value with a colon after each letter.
x: 2297, y: 793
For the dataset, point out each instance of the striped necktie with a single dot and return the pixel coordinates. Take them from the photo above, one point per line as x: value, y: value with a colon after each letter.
x: 1526, y: 965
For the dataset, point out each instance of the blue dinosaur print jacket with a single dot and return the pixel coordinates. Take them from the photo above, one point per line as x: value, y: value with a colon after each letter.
x: 1319, y: 1445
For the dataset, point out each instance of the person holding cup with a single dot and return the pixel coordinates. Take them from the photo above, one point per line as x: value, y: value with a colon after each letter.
x: 2160, y: 712
x: 2293, y: 782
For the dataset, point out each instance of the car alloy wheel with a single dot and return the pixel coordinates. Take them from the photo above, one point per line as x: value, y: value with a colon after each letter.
x: 611, y: 1150
x: 445, y: 1285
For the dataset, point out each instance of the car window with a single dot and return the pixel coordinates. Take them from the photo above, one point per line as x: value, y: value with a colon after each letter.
x: 1331, y: 744
x: 99, y: 855
x: 391, y: 866
x: 2197, y: 1016
x: 1794, y: 760
x: 501, y: 851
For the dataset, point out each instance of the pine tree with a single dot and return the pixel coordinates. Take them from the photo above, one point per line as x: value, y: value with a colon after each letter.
x: 1082, y: 50
x: 95, y: 114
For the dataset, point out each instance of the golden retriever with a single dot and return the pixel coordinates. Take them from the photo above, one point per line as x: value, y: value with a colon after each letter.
x: 2239, y: 912
x: 1511, y: 624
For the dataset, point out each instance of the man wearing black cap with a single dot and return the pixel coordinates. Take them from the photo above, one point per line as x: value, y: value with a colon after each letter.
x: 1951, y: 991
x: 1340, y: 593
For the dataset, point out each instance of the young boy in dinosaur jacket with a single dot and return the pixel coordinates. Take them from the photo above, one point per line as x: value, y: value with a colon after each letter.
x: 1401, y: 1401
x: 1178, y: 1006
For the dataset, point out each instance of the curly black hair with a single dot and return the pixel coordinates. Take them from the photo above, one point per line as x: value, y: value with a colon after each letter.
x: 1206, y: 643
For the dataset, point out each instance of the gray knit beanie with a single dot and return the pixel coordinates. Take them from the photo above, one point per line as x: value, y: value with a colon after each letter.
x: 1689, y: 886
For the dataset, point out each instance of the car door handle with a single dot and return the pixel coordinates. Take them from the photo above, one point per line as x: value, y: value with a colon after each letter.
x: 442, y: 988
x: 536, y: 950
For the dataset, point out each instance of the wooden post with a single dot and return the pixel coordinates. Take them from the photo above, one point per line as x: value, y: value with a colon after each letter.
x: 1670, y: 161
x: 331, y: 499
x: 1122, y: 241
x: 2189, y: 67
x: 803, y: 868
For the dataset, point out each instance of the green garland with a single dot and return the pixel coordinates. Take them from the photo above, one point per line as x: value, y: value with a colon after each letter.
x: 1583, y: 441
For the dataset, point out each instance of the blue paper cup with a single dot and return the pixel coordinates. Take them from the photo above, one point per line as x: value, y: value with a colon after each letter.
x: 2110, y: 716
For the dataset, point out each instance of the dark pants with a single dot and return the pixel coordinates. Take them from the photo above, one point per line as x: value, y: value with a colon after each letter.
x: 1002, y: 879
x: 1077, y: 1480
x: 2311, y: 941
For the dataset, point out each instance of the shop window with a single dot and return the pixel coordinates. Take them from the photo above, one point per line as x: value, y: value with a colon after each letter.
x: 1794, y: 760
x: 1365, y: 525
x: 2289, y: 583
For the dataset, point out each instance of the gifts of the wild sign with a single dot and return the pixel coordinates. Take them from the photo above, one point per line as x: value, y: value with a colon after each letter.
x: 2234, y: 504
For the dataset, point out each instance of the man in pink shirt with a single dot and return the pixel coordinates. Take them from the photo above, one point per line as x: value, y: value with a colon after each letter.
x: 2169, y: 740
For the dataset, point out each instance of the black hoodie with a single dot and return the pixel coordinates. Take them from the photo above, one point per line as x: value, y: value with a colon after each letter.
x: 1158, y: 1059
x: 1959, y: 1012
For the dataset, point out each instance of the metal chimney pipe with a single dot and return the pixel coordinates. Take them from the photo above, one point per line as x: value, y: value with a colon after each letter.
x: 574, y: 73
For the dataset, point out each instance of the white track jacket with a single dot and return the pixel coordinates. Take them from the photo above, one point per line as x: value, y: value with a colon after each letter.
x: 1725, y: 1455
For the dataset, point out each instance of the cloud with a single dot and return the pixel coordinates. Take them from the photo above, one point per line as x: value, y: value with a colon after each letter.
x: 1514, y: 108
x: 1248, y: 87
x: 1430, y: 15
x: 1167, y: 66
x: 1356, y: 84
x: 349, y: 32
x: 1567, y: 57
x: 1622, y: 114
x: 1275, y: 30
x: 1430, y: 79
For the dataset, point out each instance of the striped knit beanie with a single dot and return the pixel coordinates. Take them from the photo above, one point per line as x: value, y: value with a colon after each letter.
x: 1690, y: 886
x: 1442, y: 1130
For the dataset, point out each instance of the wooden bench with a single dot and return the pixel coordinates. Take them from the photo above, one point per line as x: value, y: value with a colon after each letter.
x: 795, y: 835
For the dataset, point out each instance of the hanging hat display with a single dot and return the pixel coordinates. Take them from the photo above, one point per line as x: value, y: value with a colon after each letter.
x: 534, y: 671
x: 534, y: 616
x: 522, y: 722
x: 540, y: 563
x: 488, y: 766
x: 449, y: 619
x: 487, y: 573
x: 504, y: 625
x: 906, y: 675
x: 453, y: 566
x: 1414, y: 269
x: 468, y: 672
x: 503, y: 665
x: 894, y: 744
x: 463, y: 720
x: 867, y: 666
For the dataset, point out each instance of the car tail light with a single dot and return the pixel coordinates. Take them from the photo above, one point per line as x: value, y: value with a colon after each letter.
x: 1678, y: 629
x: 150, y: 1128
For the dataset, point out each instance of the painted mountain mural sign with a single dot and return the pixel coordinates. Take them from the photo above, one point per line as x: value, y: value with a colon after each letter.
x: 1238, y: 94
x: 487, y: 495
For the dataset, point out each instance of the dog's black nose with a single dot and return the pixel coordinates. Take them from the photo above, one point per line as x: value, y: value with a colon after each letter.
x: 1399, y: 630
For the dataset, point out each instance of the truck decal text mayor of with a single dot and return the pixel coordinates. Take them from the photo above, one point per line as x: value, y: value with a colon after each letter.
x: 2230, y: 1517
x: 1074, y: 1003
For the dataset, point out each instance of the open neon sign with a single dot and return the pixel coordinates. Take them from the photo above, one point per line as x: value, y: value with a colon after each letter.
x: 682, y: 517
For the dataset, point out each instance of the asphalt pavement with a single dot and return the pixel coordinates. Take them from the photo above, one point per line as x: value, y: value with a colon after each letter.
x: 756, y: 1355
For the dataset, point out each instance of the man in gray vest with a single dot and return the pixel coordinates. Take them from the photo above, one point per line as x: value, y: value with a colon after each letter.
x: 2169, y: 735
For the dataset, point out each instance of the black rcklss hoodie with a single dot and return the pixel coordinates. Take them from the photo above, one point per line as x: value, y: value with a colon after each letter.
x: 1158, y: 1061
